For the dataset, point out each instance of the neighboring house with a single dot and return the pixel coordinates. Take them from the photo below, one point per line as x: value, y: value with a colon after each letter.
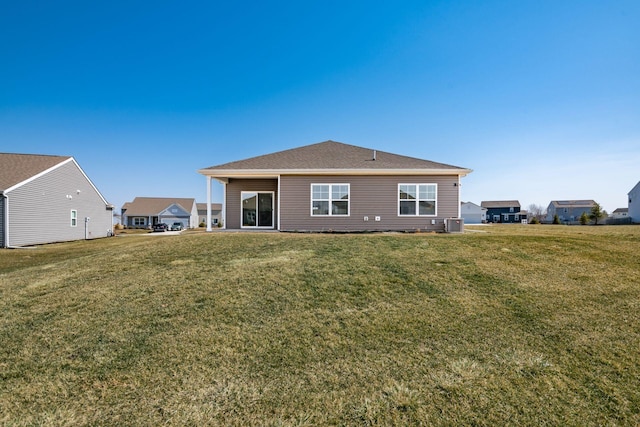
x: 569, y: 211
x: 620, y: 213
x: 472, y: 213
x: 504, y: 211
x: 46, y: 199
x: 143, y: 212
x: 634, y: 203
x: 619, y: 216
x: 216, y: 213
x: 331, y: 186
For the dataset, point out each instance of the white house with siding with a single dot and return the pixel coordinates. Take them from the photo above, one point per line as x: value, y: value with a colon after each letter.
x: 634, y: 203
x: 46, y: 199
x: 472, y: 213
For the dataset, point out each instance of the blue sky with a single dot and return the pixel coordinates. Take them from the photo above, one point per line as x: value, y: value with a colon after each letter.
x: 540, y: 98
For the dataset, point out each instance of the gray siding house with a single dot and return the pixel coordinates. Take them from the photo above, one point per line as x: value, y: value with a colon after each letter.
x: 634, y: 203
x: 568, y: 211
x: 331, y: 186
x: 143, y: 212
x: 46, y: 199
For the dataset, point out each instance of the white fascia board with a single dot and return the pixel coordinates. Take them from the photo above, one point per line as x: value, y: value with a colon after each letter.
x: 274, y: 173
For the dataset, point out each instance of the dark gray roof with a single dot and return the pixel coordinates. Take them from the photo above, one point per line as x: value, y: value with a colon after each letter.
x: 500, y: 204
x: 16, y: 168
x: 573, y: 203
x: 332, y: 155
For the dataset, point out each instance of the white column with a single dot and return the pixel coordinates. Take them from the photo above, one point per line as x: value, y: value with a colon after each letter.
x: 224, y: 205
x: 208, y: 203
x: 278, y: 207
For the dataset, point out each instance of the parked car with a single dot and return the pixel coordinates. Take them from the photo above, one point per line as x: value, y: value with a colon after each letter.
x: 161, y: 226
x: 176, y: 226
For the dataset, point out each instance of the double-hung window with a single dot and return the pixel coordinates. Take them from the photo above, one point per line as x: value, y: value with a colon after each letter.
x: 329, y: 199
x: 417, y: 199
x: 74, y: 218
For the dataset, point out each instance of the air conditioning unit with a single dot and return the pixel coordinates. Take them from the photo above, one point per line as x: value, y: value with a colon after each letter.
x: 454, y: 225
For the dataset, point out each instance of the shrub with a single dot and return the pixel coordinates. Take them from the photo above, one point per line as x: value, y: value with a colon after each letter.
x: 534, y: 220
x: 202, y: 224
x: 584, y: 218
x: 556, y: 220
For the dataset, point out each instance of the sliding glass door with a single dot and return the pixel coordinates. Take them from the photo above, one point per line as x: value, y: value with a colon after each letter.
x: 257, y: 209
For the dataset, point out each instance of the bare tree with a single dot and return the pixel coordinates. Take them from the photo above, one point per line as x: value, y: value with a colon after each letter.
x: 536, y: 211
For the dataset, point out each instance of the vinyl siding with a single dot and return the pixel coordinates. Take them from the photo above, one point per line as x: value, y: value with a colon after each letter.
x: 40, y: 211
x: 634, y: 204
x: 370, y: 196
x: 2, y: 222
x: 234, y: 189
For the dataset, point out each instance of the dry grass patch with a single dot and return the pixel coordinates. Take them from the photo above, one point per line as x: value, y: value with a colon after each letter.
x: 517, y: 325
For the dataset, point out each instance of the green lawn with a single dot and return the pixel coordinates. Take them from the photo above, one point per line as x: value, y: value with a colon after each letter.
x: 511, y: 325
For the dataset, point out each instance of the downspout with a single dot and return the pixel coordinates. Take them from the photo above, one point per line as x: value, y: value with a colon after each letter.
x: 5, y: 226
x: 278, y: 199
x: 459, y: 207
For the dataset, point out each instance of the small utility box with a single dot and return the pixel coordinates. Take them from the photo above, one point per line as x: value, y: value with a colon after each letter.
x: 454, y: 225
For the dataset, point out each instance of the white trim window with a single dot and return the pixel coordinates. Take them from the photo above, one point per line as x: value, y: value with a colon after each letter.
x: 330, y: 199
x: 139, y: 221
x: 417, y: 199
x: 74, y: 218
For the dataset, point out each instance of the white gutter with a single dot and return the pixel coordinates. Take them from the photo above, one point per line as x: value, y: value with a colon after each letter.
x: 6, y: 219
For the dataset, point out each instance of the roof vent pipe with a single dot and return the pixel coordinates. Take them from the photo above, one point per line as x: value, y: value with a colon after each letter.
x: 374, y: 154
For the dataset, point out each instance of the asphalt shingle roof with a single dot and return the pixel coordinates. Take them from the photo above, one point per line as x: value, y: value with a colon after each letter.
x: 16, y: 168
x: 144, y: 206
x: 500, y: 204
x: 331, y: 155
x: 573, y: 203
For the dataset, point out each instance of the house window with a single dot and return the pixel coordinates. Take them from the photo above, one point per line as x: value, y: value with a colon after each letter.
x: 417, y: 199
x: 505, y: 217
x: 517, y: 217
x: 330, y: 199
x: 74, y: 218
x: 511, y: 210
x: 139, y: 221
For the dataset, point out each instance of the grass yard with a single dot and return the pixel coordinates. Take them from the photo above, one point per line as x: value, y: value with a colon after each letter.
x: 509, y: 325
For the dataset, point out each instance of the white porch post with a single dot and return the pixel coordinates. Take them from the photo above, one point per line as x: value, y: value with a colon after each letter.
x: 278, y: 207
x: 224, y: 205
x: 208, y: 203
